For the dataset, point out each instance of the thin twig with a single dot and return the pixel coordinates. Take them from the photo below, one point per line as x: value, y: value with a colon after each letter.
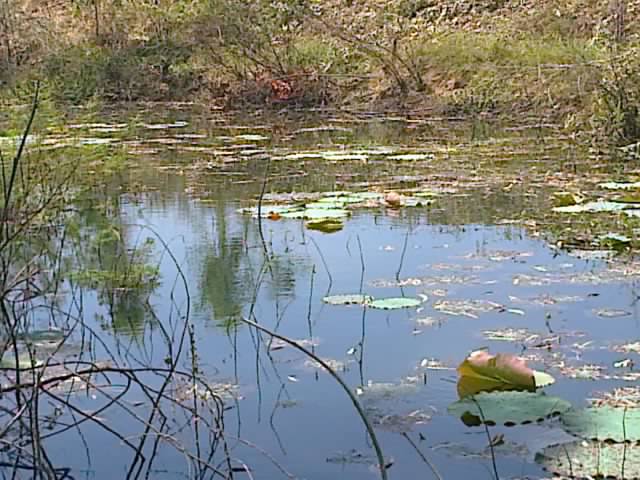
x: 345, y: 387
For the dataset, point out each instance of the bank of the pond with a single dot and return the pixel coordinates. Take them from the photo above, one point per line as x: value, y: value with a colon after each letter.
x: 573, y: 63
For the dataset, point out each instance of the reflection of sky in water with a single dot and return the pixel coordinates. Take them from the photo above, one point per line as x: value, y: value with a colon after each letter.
x: 222, y: 257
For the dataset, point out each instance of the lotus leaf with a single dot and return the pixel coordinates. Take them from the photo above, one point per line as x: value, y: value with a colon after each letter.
x: 338, y: 193
x: 412, y: 156
x: 507, y: 408
x: 591, y: 460
x: 24, y: 362
x: 593, y: 207
x: 565, y: 199
x: 325, y: 203
x: 617, y: 424
x: 251, y: 137
x: 620, y: 185
x: 355, y: 299
x: 43, y: 337
x: 394, y: 303
x: 269, y: 210
x: 483, y: 372
x: 317, y: 213
x: 326, y: 225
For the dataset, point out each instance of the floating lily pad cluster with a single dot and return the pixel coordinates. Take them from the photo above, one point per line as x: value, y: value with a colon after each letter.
x: 502, y: 390
x: 326, y: 211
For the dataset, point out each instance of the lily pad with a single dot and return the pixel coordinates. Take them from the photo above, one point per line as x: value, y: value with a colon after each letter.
x: 617, y: 424
x: 593, y: 207
x: 325, y: 203
x: 591, y: 460
x: 412, y: 156
x: 326, y: 225
x: 317, y: 213
x: 565, y: 199
x: 270, y: 210
x: 24, y: 362
x: 614, y: 241
x: 620, y: 185
x: 483, y: 372
x: 394, y: 303
x: 507, y: 408
x: 355, y: 299
x: 36, y: 336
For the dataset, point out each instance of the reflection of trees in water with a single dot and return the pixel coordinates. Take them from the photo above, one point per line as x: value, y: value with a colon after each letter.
x: 230, y: 261
x: 113, y: 260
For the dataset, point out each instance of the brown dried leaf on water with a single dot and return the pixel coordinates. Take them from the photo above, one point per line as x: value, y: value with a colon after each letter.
x: 277, y: 344
x: 430, y: 321
x: 399, y: 423
x: 632, y: 347
x: 466, y: 308
x: 546, y: 299
x: 618, y: 397
x: 352, y: 456
x: 521, y: 335
x: 335, y: 365
x: 382, y: 390
x: 483, y: 372
x: 585, y: 372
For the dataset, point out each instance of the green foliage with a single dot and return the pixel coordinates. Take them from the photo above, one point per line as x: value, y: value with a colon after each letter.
x: 146, y: 70
x: 616, y: 117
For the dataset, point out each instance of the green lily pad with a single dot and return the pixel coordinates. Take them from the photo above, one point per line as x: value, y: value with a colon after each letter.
x: 355, y: 299
x: 507, y: 408
x: 542, y: 379
x: 24, y: 362
x: 251, y: 137
x: 337, y: 193
x: 615, y: 241
x: 417, y: 201
x: 395, y: 303
x: 268, y: 210
x: 591, y: 460
x: 633, y: 197
x: 326, y: 225
x: 620, y: 185
x: 617, y: 424
x: 426, y: 194
x: 412, y: 156
x: 565, y: 199
x: 41, y: 337
x: 593, y: 207
x: 325, y: 203
x: 317, y: 213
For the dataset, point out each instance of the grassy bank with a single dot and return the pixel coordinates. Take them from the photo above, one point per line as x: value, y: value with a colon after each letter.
x: 574, y: 62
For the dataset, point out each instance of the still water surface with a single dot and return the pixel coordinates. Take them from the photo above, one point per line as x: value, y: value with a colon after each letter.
x: 470, y: 257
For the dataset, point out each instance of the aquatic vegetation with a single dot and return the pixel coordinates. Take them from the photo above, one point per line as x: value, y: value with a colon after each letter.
x: 355, y: 299
x: 604, y: 423
x: 582, y: 459
x: 483, y: 372
x: 508, y: 408
x: 394, y: 303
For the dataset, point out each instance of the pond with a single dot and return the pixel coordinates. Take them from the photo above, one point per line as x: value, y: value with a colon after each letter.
x: 459, y: 224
